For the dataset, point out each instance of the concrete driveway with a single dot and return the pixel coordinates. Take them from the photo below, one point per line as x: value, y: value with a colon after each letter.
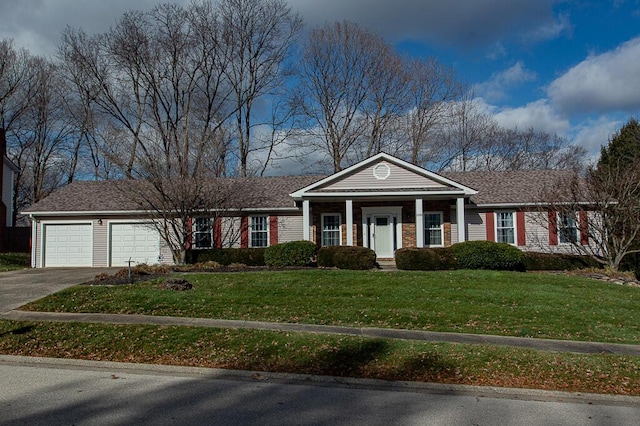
x: 26, y: 285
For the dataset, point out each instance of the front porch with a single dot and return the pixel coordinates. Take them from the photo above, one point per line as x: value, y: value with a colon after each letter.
x: 384, y: 226
x: 383, y: 203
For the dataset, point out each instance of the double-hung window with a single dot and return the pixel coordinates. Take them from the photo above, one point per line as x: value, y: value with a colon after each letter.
x: 567, y: 228
x: 202, y: 233
x: 259, y: 231
x: 433, y: 229
x: 331, y: 235
x: 505, y: 227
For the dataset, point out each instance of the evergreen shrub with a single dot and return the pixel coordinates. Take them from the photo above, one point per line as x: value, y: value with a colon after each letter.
x: 488, y: 255
x: 293, y: 253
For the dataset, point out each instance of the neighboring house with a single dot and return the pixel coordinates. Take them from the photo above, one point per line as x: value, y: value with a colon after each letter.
x: 382, y: 203
x: 7, y: 178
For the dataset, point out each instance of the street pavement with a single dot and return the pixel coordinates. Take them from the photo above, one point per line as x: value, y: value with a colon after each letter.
x: 40, y: 391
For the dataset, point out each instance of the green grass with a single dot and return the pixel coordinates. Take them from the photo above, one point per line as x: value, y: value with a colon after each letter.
x: 485, y: 302
x: 14, y: 261
x: 326, y: 355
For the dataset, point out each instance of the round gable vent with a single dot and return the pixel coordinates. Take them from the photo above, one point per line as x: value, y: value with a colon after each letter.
x: 381, y: 171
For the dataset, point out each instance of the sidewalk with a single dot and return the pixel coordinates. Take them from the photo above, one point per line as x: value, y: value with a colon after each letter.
x: 428, y: 336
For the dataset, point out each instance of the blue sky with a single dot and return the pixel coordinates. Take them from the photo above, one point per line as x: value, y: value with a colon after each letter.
x: 566, y: 67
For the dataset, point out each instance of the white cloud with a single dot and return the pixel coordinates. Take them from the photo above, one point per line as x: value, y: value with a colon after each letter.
x: 593, y: 134
x: 539, y: 115
x: 608, y: 82
x: 495, y: 88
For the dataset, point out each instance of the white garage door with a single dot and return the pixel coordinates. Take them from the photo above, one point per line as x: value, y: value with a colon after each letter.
x: 137, y: 242
x: 68, y: 245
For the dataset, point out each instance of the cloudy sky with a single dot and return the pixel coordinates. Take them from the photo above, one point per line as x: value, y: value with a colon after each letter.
x: 570, y: 67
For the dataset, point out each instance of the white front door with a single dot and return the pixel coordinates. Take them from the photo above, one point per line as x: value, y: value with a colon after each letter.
x: 382, y: 235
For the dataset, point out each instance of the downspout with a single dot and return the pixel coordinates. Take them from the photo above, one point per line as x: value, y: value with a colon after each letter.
x: 34, y: 234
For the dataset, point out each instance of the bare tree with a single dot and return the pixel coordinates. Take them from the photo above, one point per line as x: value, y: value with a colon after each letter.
x: 159, y: 79
x: 432, y: 89
x: 16, y: 83
x: 257, y: 36
x: 514, y: 149
x: 335, y: 84
x: 387, y: 98
x: 464, y: 135
x: 599, y: 215
x: 44, y: 148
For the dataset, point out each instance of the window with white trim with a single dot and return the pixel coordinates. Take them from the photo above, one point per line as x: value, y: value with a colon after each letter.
x: 202, y: 233
x: 568, y: 228
x: 258, y: 231
x: 433, y: 235
x: 505, y: 227
x: 331, y: 229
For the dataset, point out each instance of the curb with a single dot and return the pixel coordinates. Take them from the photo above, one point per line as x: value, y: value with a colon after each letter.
x: 323, y: 381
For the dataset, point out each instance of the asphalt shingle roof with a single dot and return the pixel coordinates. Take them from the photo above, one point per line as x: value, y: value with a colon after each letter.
x: 113, y: 196
x: 511, y: 187
x: 508, y: 187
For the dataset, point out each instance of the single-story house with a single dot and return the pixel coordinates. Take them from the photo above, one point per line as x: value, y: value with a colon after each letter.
x: 383, y: 203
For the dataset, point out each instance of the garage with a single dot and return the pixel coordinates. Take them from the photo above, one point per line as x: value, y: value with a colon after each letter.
x: 137, y: 242
x: 68, y: 244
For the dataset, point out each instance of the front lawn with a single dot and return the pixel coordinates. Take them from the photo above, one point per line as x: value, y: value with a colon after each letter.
x: 486, y: 302
x: 345, y: 356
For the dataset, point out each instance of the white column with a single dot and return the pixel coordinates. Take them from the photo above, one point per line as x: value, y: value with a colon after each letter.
x: 306, y: 220
x: 349, y: 223
x: 419, y: 224
x: 460, y: 219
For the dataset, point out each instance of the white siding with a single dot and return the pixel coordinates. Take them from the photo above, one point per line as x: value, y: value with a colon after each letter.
x: 230, y: 232
x: 475, y: 226
x: 289, y: 228
x: 100, y: 243
x: 399, y: 177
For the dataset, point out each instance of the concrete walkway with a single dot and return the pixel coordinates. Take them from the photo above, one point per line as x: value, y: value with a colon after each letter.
x: 428, y: 336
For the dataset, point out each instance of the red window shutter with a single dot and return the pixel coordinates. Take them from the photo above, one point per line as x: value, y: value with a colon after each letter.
x: 217, y: 233
x: 553, y: 228
x: 521, y: 232
x: 584, y: 228
x: 491, y: 226
x: 244, y: 232
x: 273, y: 230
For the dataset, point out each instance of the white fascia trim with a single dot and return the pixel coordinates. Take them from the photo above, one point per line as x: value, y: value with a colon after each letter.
x: 515, y: 205
x: 85, y: 213
x: 419, y: 170
x: 150, y: 212
x: 382, y: 193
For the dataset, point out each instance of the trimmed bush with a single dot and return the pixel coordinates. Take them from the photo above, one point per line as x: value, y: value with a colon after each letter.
x: 326, y: 255
x: 535, y: 261
x: 294, y: 253
x: 347, y: 257
x: 488, y: 255
x: 228, y: 256
x: 425, y: 259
